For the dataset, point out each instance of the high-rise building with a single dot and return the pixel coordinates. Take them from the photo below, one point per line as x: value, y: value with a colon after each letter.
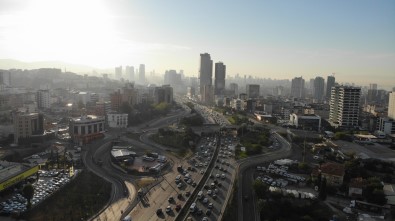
x: 5, y: 77
x: 27, y: 125
x: 43, y: 99
x: 118, y: 72
x: 142, y: 73
x: 318, y: 89
x: 163, y: 94
x: 297, y: 87
x: 129, y: 72
x: 205, y: 73
x: 391, y: 105
x: 344, y: 106
x: 252, y: 90
x: 219, y: 82
x: 235, y: 88
x: 330, y: 82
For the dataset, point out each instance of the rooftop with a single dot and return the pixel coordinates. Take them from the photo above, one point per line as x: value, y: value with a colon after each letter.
x: 332, y: 169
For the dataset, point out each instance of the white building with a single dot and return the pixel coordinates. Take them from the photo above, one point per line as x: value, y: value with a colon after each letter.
x: 308, y: 121
x: 391, y: 105
x: 116, y: 120
x: 86, y: 128
x: 344, y: 106
x: 237, y: 104
x: 43, y: 99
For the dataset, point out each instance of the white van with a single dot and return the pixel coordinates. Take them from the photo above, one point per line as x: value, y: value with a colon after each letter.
x: 200, y: 195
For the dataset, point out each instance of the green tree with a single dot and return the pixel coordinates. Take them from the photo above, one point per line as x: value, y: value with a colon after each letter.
x: 261, y: 189
x: 28, y: 192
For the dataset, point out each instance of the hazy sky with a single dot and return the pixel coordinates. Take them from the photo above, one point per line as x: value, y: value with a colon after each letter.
x: 278, y: 39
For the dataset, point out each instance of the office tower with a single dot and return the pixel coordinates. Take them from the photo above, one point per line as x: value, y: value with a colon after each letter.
x: 319, y: 88
x: 5, y: 77
x: 219, y: 82
x: 297, y: 87
x: 391, y: 105
x: 252, y: 90
x: 142, y: 73
x: 330, y: 82
x: 118, y: 72
x: 129, y: 72
x: 344, y: 106
x: 172, y: 78
x: 26, y: 125
x: 205, y: 74
x: 235, y: 88
x: 43, y: 99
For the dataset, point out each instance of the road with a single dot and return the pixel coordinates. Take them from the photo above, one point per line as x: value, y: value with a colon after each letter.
x: 246, y: 208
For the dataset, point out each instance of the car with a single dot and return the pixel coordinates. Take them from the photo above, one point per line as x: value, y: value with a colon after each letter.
x: 159, y: 212
x: 217, y: 175
x: 214, y: 196
x: 168, y: 209
x: 189, y: 181
x: 171, y: 199
x: 315, y: 157
x: 201, y: 171
x: 194, y: 184
x: 211, y: 176
x: 215, y: 190
x: 199, y: 212
x: 205, y: 200
x: 210, y: 205
x: 205, y: 219
x: 179, y: 185
x: 208, y: 212
x: 209, y: 192
x: 219, y: 184
x: 206, y: 187
x: 178, y: 207
x: 179, y: 196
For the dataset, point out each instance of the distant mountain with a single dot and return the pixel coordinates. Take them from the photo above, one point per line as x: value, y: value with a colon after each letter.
x: 77, y: 68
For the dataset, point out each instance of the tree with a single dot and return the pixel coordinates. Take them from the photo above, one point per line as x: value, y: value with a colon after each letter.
x: 261, y: 189
x: 28, y: 192
x: 322, y: 194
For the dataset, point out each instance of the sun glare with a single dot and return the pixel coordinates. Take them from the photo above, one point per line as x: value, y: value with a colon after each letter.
x: 70, y: 30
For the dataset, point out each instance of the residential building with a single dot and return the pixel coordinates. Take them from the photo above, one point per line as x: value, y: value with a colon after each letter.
x: 163, y: 94
x: 386, y: 125
x: 85, y: 129
x: 43, y: 99
x: 117, y: 120
x: 344, y: 106
x: 142, y: 73
x: 5, y: 78
x: 27, y: 125
x: 118, y: 72
x: 391, y: 105
x: 297, y: 87
x: 332, y: 172
x: 234, y: 88
x: 129, y: 72
x: 318, y: 89
x: 219, y: 82
x: 330, y: 82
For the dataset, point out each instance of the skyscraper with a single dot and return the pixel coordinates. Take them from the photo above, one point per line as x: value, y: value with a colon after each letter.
x: 330, y: 82
x: 219, y: 82
x: 252, y: 90
x: 118, y: 72
x: 129, y: 72
x: 205, y: 73
x: 235, y: 88
x: 319, y: 88
x: 344, y: 106
x: 142, y: 73
x: 391, y: 105
x: 297, y: 87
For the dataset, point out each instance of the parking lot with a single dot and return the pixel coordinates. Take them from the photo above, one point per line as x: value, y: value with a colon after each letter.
x: 48, y: 183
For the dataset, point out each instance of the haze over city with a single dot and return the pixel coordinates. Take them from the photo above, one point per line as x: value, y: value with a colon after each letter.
x: 268, y: 39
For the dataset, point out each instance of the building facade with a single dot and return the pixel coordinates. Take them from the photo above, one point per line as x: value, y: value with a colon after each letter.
x: 219, y: 82
x: 391, y: 105
x: 43, y: 99
x: 205, y: 73
x: 85, y: 129
x: 117, y: 120
x: 142, y: 73
x: 319, y: 89
x: 344, y: 106
x: 330, y: 82
x: 252, y: 90
x: 297, y: 87
x: 27, y: 125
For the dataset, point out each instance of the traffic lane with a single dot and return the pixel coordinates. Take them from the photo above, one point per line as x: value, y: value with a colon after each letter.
x: 248, y: 205
x: 221, y: 194
x: 158, y: 197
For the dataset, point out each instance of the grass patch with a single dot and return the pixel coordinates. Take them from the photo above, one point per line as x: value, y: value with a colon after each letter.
x: 80, y: 199
x: 143, y: 182
x: 254, y: 141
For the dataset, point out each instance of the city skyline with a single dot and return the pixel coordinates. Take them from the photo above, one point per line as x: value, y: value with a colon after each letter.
x: 270, y: 39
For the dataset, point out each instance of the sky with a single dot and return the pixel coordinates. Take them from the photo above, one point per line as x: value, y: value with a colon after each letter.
x: 278, y: 39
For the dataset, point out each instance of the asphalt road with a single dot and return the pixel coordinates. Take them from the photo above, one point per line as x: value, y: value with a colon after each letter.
x: 246, y: 208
